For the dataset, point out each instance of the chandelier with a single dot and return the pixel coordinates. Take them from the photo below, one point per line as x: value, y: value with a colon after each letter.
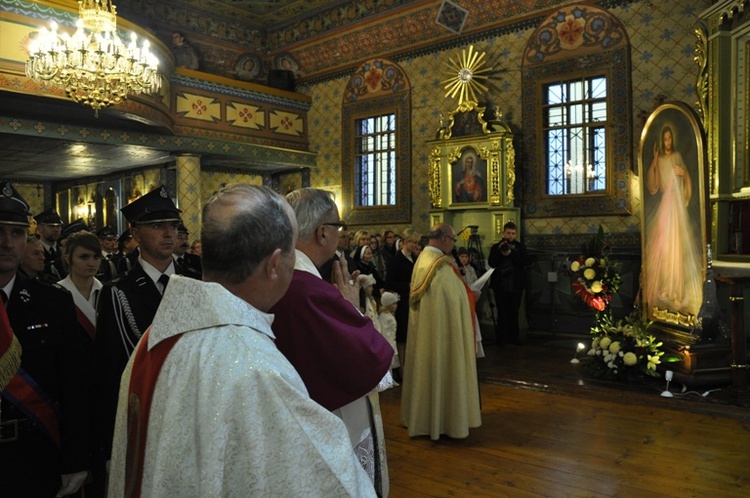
x: 93, y: 66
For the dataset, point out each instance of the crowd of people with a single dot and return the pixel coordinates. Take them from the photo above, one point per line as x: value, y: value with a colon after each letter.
x: 245, y: 363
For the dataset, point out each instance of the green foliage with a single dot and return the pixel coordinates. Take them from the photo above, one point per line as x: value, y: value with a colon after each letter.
x: 623, y: 349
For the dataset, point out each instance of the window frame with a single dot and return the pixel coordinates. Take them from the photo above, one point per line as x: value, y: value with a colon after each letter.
x: 544, y: 162
x: 571, y: 41
x: 394, y: 103
x: 378, y: 183
x: 615, y: 199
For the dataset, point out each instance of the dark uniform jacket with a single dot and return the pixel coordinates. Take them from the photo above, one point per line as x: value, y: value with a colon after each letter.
x: 326, y: 270
x: 53, y: 264
x: 126, y: 309
x: 510, y: 270
x: 398, y: 279
x: 44, y: 321
x: 126, y: 262
x: 190, y: 264
x: 107, y: 269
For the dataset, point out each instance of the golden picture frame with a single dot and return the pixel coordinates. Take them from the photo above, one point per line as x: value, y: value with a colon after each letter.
x: 674, y: 218
x: 472, y: 172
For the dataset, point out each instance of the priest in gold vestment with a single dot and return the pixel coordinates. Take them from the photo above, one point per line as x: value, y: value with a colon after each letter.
x: 440, y: 393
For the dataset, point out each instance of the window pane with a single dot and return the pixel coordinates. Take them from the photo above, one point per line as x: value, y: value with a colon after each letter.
x: 556, y: 94
x: 556, y: 117
x: 576, y: 91
x: 599, y: 111
x: 375, y: 161
x: 598, y: 88
x: 599, y: 173
x: 556, y: 154
x: 575, y: 117
x: 576, y: 114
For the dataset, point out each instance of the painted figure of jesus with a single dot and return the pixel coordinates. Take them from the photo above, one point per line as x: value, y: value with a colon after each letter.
x: 673, y: 249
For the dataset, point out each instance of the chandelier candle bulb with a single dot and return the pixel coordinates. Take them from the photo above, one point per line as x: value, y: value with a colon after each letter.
x: 94, y: 66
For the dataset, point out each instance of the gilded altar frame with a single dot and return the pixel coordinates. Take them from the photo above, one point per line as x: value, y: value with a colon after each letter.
x: 471, y: 130
x: 495, y: 159
x: 679, y: 124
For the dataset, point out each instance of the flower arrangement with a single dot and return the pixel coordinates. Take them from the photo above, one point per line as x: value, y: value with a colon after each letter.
x: 596, y: 278
x: 623, y: 349
x: 620, y: 349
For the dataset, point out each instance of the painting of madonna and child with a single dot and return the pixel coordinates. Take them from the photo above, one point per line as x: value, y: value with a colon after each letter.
x: 672, y: 173
x: 469, y: 178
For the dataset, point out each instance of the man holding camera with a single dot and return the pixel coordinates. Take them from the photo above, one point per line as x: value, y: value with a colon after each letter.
x: 509, y: 258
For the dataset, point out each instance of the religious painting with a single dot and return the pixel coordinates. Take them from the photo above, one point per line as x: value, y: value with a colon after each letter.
x: 474, y: 172
x: 285, y: 62
x: 248, y: 67
x: 469, y: 177
x: 672, y: 169
x: 467, y: 123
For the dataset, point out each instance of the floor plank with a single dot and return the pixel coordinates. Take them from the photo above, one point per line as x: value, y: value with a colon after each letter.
x: 548, y: 432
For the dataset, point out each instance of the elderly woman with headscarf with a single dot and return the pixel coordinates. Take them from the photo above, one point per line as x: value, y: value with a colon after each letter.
x: 363, y: 257
x: 379, y: 256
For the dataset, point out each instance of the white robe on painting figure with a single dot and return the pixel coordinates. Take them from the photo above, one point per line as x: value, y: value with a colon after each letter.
x: 673, y: 249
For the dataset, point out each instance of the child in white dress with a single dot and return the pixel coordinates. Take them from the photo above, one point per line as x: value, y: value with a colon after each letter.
x: 371, y: 306
x: 388, y: 305
x: 371, y: 311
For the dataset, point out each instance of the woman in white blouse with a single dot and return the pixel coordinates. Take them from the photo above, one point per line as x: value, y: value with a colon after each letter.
x: 82, y: 256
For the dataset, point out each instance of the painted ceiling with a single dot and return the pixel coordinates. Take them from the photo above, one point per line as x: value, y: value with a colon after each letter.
x: 326, y: 38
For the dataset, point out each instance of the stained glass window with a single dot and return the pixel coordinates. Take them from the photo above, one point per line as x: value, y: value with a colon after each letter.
x: 375, y: 161
x: 575, y: 122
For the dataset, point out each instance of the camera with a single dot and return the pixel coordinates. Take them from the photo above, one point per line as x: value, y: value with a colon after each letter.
x: 504, y: 245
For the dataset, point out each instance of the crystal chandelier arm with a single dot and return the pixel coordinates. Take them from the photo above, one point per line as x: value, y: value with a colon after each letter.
x: 94, y: 66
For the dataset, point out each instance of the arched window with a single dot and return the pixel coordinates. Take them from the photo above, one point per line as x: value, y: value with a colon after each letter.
x: 577, y: 126
x: 376, y: 155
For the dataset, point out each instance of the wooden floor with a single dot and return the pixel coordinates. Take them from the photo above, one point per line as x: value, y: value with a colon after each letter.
x: 547, y: 432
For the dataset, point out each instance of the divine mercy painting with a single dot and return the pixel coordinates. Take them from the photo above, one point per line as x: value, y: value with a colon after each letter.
x: 674, y: 214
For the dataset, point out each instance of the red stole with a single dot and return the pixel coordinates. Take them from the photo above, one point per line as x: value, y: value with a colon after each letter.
x: 23, y: 391
x: 85, y: 323
x: 32, y: 401
x: 472, y: 304
x: 10, y: 350
x: 145, y: 372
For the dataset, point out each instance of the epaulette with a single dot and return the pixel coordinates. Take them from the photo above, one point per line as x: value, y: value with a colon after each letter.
x: 50, y: 285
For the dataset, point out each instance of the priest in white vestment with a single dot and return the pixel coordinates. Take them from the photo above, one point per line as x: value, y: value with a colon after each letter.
x: 440, y: 393
x: 229, y: 415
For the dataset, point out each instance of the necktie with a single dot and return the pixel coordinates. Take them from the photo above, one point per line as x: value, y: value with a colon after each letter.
x: 164, y: 280
x: 4, y: 296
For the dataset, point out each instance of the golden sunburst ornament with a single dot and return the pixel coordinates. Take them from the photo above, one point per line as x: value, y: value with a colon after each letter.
x: 464, y: 74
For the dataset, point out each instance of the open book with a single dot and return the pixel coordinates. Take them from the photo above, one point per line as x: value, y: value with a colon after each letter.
x: 479, y: 283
